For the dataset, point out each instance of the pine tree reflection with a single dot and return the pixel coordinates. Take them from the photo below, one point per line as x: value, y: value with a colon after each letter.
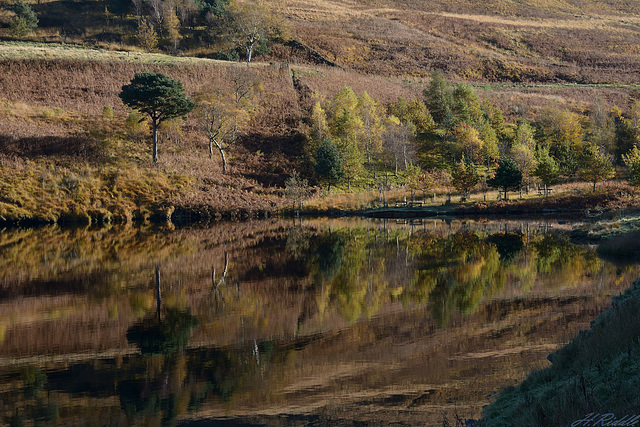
x: 160, y: 334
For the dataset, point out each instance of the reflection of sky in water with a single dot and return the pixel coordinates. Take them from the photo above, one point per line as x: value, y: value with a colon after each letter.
x: 342, y: 319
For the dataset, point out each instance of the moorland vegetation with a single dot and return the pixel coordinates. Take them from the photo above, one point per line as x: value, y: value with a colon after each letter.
x: 73, y: 152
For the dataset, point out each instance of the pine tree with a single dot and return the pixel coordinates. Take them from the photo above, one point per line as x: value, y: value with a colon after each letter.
x: 508, y: 176
x: 328, y: 163
x: 25, y: 21
x: 596, y: 166
x: 158, y: 96
x: 632, y: 160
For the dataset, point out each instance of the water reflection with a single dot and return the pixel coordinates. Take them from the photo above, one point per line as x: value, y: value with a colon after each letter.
x: 334, y: 319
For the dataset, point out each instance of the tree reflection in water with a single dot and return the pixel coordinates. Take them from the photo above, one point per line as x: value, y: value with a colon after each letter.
x: 232, y: 322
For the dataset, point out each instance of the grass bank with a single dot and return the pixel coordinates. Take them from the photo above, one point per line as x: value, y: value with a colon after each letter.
x: 603, y: 207
x: 598, y: 372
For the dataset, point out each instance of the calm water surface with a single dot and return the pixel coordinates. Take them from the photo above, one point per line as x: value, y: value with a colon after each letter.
x: 286, y: 322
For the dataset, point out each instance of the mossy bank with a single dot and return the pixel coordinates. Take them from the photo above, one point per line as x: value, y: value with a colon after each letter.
x: 596, y: 373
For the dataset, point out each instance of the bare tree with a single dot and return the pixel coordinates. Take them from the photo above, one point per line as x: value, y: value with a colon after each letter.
x: 217, y: 117
x: 397, y: 144
x: 245, y: 87
x: 251, y: 25
x: 156, y: 13
x: 225, y: 110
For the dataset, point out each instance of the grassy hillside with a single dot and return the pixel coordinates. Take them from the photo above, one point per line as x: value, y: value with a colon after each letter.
x: 596, y: 373
x: 64, y: 157
x: 516, y: 41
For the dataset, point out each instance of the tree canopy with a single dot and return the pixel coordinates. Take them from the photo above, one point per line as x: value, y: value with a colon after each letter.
x: 508, y: 176
x: 25, y: 21
x: 158, y: 96
x: 329, y: 166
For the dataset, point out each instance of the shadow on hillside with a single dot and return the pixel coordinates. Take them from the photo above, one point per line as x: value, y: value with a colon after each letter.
x: 69, y: 16
x: 278, y: 156
x: 34, y: 146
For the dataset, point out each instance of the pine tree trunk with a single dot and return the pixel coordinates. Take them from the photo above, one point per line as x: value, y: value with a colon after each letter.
x: 155, y: 141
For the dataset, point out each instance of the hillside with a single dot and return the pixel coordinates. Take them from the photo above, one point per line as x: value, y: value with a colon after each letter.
x: 517, y: 41
x: 514, y: 41
x: 71, y: 151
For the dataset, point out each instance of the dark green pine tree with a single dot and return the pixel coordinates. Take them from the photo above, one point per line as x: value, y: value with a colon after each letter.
x: 329, y: 165
x: 159, y: 96
x: 508, y: 176
x: 25, y: 20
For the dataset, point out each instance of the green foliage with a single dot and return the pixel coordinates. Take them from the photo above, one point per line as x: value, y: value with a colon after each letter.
x: 464, y: 177
x: 546, y: 169
x: 296, y: 188
x: 564, y: 134
x: 467, y: 141
x: 158, y: 96
x: 596, y: 166
x: 490, y: 152
x: 232, y: 56
x: 107, y: 112
x: 25, y: 20
x: 439, y: 98
x: 328, y: 163
x: 626, y: 129
x: 523, y: 150
x: 218, y: 8
x: 508, y: 175
x: 466, y: 105
x: 632, y: 160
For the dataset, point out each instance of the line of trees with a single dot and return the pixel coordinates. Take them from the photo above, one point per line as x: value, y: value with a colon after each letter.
x: 450, y: 138
x: 236, y: 28
x: 453, y: 138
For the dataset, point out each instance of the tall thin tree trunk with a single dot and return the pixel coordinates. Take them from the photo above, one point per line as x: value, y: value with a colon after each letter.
x: 155, y: 141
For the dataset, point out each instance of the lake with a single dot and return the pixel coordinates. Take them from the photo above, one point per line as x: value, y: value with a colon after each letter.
x: 287, y: 322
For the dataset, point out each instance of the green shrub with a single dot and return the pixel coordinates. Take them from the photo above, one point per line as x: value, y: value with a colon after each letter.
x: 107, y: 112
x: 25, y: 21
x: 135, y: 123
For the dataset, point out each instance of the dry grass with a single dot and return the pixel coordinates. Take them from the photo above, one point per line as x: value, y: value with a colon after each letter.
x: 51, y: 114
x: 529, y: 41
x: 463, y: 38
